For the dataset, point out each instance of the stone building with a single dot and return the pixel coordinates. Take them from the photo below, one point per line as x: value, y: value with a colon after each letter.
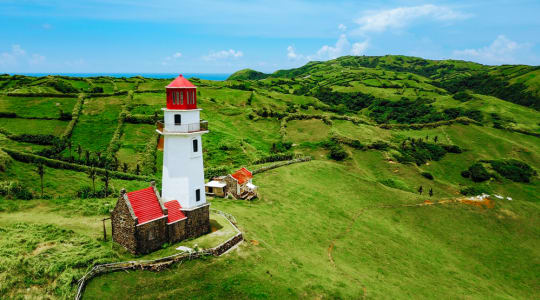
x: 142, y: 222
x: 239, y: 184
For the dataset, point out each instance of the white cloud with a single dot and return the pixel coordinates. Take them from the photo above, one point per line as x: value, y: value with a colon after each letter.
x: 46, y: 26
x: 359, y: 48
x: 331, y: 52
x: 17, y: 50
x: 502, y: 50
x: 17, y: 54
x: 169, y: 59
x: 342, y: 27
x: 36, y: 59
x: 342, y: 47
x: 291, y: 53
x: 379, y: 21
x: 224, y: 54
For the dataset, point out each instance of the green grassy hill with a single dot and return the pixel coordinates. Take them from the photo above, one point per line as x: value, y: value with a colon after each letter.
x: 350, y: 223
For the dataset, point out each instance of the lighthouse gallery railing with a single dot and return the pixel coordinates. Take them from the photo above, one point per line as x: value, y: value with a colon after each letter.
x: 183, y: 128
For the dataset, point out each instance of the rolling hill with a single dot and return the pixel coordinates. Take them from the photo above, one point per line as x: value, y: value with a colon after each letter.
x: 350, y: 223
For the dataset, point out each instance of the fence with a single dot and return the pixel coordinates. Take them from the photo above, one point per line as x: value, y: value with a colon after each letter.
x: 164, y: 262
x: 182, y: 128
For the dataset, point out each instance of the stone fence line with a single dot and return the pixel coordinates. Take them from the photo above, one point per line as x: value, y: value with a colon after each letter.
x: 281, y: 164
x: 164, y: 262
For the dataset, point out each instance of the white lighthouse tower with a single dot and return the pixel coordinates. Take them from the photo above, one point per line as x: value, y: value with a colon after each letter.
x: 182, y: 130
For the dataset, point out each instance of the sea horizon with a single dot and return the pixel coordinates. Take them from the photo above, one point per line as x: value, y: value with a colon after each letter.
x: 207, y: 76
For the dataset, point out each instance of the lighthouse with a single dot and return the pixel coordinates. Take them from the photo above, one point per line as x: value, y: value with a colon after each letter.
x: 182, y: 130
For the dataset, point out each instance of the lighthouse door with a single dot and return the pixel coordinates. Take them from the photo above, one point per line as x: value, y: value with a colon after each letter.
x: 177, y: 119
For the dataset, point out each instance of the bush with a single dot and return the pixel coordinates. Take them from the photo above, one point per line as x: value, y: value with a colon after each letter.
x: 427, y: 175
x: 479, y: 173
x: 5, y: 161
x: 514, y: 170
x: 39, y: 139
x: 473, y: 191
x: 14, y: 190
x: 337, y: 152
x: 466, y: 174
x: 215, y: 172
x: 4, y: 114
x: 462, y: 96
x: 452, y: 148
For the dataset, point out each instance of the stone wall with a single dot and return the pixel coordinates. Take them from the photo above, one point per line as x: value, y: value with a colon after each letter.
x: 231, y: 185
x: 152, y: 235
x: 123, y: 226
x: 198, y: 221
x: 177, y: 231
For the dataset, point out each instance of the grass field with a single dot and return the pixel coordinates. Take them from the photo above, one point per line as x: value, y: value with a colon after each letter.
x: 300, y: 245
x: 33, y: 126
x: 36, y: 107
x: 320, y: 229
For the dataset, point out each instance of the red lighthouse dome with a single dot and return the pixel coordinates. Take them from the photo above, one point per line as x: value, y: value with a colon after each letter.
x: 181, y: 94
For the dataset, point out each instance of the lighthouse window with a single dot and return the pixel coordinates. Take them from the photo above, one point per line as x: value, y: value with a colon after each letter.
x: 181, y: 97
x: 197, y: 195
x: 177, y: 119
x: 195, y: 145
x: 189, y: 97
x: 173, y: 100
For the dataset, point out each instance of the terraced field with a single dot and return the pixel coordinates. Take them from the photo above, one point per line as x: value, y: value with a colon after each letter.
x: 351, y: 223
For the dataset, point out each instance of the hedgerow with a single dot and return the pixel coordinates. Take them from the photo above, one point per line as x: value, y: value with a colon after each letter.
x: 148, y: 161
x: 5, y: 161
x: 58, y: 164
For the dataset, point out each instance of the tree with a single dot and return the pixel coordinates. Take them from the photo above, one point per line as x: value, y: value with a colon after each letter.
x: 98, y: 154
x: 69, y: 144
x: 41, y: 171
x: 87, y: 156
x: 137, y: 169
x: 125, y: 168
x: 116, y: 164
x: 106, y: 177
x: 436, y: 138
x: 79, y: 150
x: 420, y: 190
x: 427, y: 137
x: 430, y: 192
x: 92, y: 172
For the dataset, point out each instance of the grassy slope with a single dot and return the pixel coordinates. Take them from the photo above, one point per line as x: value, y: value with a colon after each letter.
x: 445, y: 251
x: 392, y: 253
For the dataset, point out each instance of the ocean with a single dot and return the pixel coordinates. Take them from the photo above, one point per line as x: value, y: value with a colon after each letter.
x: 207, y: 76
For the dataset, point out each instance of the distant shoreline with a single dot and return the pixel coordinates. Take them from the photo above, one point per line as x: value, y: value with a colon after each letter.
x: 207, y: 76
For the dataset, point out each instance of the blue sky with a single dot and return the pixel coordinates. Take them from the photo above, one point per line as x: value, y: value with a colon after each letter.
x: 214, y: 36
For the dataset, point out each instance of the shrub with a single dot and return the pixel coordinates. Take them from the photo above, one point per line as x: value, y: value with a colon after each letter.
x: 337, y: 152
x: 466, y: 174
x: 514, y: 170
x: 4, y: 114
x: 452, y: 148
x: 5, y: 161
x: 462, y: 96
x: 14, y: 190
x: 427, y: 175
x: 479, y: 173
x: 214, y: 172
x: 473, y: 191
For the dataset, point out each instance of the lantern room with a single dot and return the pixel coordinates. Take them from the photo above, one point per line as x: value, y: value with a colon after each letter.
x: 181, y: 94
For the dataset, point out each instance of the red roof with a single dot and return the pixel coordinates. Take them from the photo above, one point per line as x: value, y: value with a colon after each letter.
x: 145, y: 204
x: 242, y: 175
x: 175, y: 213
x: 180, y: 82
